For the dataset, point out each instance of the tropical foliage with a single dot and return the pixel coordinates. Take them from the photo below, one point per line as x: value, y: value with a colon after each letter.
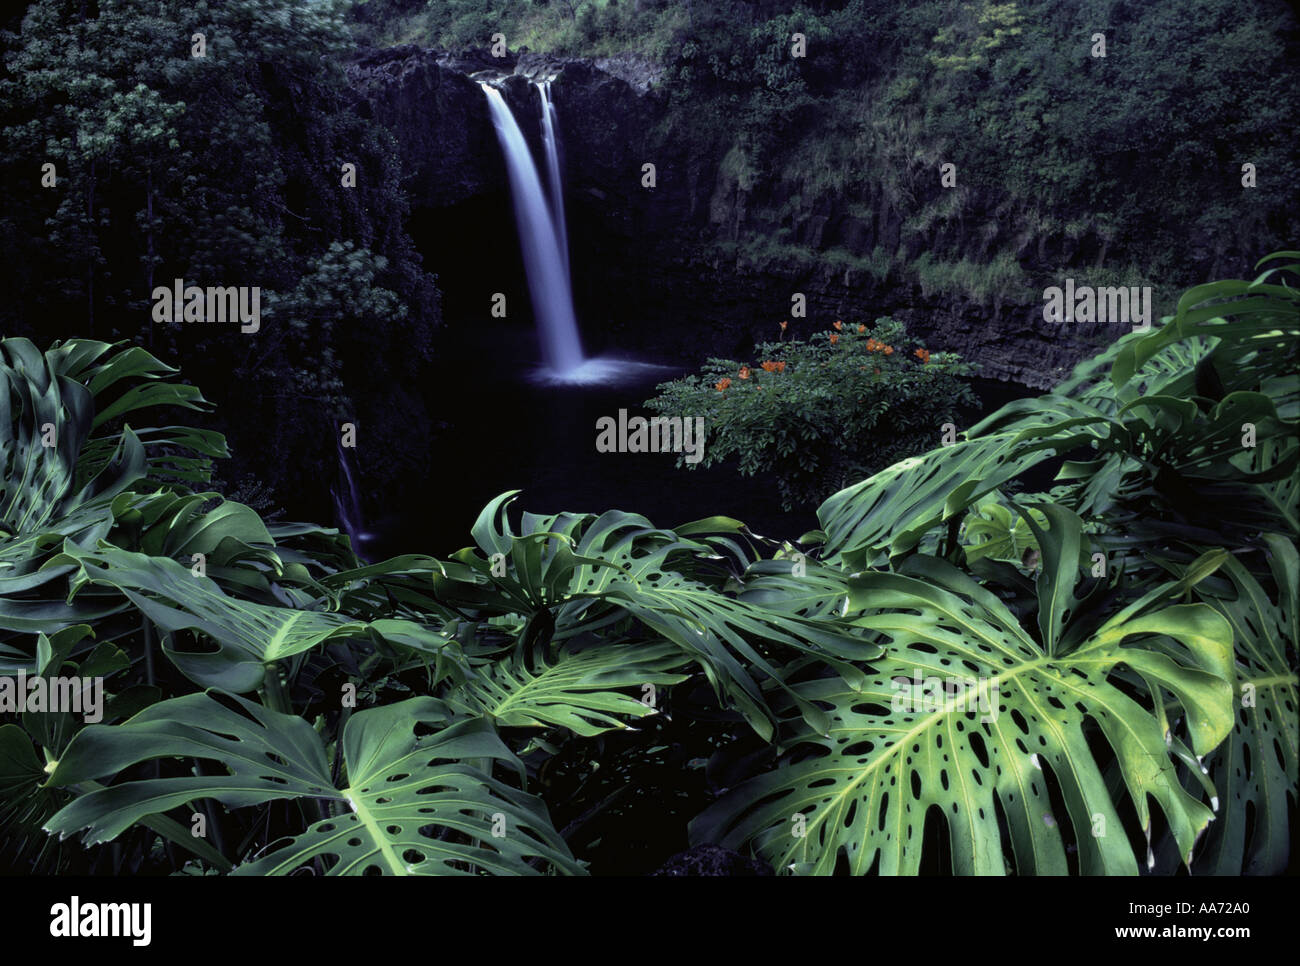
x: 954, y: 672
x: 132, y: 157
x: 1190, y: 434
x: 815, y: 415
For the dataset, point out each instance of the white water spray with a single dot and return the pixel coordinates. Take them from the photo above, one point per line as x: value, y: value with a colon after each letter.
x: 539, y: 237
x: 551, y: 140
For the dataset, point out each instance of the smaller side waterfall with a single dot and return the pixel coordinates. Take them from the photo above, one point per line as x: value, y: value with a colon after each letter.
x: 551, y: 140
x: 347, y: 501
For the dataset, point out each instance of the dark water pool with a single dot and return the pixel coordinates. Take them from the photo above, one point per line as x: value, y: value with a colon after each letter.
x: 507, y: 432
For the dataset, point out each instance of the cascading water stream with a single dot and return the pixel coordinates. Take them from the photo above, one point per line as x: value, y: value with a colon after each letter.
x: 551, y: 140
x: 539, y: 237
x: 347, y: 502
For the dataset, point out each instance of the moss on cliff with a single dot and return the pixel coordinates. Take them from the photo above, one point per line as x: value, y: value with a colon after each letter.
x: 1062, y: 157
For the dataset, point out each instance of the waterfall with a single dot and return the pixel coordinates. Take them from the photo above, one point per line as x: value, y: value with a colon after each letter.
x: 347, y: 502
x: 540, y: 237
x: 551, y: 140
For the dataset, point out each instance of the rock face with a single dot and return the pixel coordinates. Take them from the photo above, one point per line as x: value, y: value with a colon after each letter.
x: 649, y: 274
x: 448, y: 148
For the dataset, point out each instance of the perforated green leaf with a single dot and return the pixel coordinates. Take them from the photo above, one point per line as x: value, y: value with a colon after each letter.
x: 971, y: 715
x: 571, y: 572
x: 1255, y: 769
x: 415, y: 807
x: 892, y: 510
x: 412, y: 802
x: 576, y: 690
x: 247, y: 635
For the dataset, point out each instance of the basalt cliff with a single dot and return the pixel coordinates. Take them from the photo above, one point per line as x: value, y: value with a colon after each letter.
x: 664, y: 269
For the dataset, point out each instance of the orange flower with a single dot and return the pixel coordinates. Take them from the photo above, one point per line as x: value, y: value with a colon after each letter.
x: 744, y: 372
x: 780, y: 367
x: 861, y: 328
x: 888, y: 350
x: 923, y: 355
x: 838, y: 325
x: 722, y: 384
x: 834, y: 338
x: 769, y: 366
x: 783, y: 325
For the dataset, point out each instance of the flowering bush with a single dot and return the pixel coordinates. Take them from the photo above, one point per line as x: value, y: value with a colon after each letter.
x: 825, y: 413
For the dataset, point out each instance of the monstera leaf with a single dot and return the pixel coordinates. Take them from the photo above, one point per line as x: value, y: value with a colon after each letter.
x: 412, y: 804
x: 26, y: 801
x: 1167, y: 413
x: 1019, y: 726
x: 999, y: 532
x: 180, y: 525
x: 125, y: 382
x: 248, y: 636
x: 62, y: 470
x: 569, y: 574
x: 576, y: 690
x: 798, y: 585
x: 1255, y: 770
x: 891, y: 511
x: 25, y: 804
x: 1256, y: 320
x: 44, y: 422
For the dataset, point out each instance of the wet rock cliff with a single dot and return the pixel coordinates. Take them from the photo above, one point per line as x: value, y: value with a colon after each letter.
x: 662, y: 269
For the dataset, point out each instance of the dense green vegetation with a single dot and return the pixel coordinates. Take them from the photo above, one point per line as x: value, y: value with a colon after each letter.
x: 471, y: 715
x: 226, y: 169
x: 223, y: 169
x: 962, y: 669
x: 1129, y: 166
x: 813, y: 417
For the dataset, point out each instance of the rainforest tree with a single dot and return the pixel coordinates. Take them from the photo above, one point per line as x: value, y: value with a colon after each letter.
x: 207, y: 142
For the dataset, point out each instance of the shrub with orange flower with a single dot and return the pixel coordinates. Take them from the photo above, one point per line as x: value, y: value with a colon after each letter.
x: 875, y: 403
